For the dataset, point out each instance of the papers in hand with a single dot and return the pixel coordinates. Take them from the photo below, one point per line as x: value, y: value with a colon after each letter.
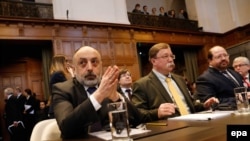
x: 105, y: 135
x: 202, y: 116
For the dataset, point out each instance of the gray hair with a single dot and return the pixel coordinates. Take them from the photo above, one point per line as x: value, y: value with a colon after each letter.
x: 8, y: 91
x: 243, y: 59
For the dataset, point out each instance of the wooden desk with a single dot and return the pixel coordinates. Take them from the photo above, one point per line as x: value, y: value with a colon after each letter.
x: 210, y: 130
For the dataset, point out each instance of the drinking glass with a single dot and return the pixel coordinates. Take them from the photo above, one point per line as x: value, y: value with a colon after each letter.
x: 241, y: 99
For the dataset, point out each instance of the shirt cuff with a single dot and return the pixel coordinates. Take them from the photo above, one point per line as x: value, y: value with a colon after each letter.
x: 95, y: 103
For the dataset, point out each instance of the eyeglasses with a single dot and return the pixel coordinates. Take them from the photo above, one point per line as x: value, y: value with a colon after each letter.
x: 166, y: 57
x: 240, y: 65
x: 221, y: 56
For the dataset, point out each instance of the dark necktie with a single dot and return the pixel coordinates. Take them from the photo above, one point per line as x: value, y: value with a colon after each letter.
x: 225, y: 73
x: 97, y: 125
x: 128, y: 91
x: 91, y: 90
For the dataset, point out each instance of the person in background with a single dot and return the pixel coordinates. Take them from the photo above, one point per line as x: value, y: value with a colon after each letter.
x: 137, y: 9
x: 171, y: 13
x: 13, y: 117
x: 183, y: 14
x: 145, y: 10
x: 241, y: 64
x: 218, y: 80
x: 153, y: 11
x: 162, y: 12
x: 162, y: 94
x: 29, y: 111
x: 60, y: 71
x: 80, y: 104
x: 42, y: 113
x: 125, y: 83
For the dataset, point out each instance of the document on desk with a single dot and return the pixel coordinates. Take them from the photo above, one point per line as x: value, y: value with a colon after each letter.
x: 105, y: 135
x: 202, y: 116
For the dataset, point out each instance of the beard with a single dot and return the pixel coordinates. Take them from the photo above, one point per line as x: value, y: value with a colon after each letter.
x: 90, y: 79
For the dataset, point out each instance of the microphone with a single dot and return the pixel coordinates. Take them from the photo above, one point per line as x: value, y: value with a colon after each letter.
x: 67, y: 14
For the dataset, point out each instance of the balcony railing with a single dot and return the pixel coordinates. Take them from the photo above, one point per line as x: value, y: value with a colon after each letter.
x: 41, y: 10
x: 26, y: 9
x: 164, y: 22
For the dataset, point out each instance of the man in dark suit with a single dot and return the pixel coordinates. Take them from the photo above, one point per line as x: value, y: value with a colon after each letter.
x: 125, y: 83
x: 13, y: 117
x: 241, y: 65
x: 218, y: 81
x: 77, y: 107
x: 153, y: 96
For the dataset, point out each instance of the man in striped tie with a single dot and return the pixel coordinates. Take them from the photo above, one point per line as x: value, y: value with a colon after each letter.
x: 241, y: 64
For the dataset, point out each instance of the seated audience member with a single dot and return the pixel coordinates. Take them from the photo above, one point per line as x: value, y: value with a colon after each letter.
x: 145, y: 10
x: 43, y: 112
x: 218, y: 81
x: 183, y: 14
x: 171, y: 13
x: 137, y: 10
x: 153, y: 11
x: 162, y: 94
x: 162, y: 12
x: 80, y: 104
x: 125, y: 83
x: 242, y: 66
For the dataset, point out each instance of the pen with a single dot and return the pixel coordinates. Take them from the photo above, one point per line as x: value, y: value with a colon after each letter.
x: 157, y: 123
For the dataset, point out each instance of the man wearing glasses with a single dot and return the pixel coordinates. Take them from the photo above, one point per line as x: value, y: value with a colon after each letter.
x: 242, y: 66
x: 162, y: 94
x: 218, y: 81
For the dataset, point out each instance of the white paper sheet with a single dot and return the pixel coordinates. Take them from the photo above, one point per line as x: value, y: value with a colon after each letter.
x: 107, y: 135
x: 203, y: 116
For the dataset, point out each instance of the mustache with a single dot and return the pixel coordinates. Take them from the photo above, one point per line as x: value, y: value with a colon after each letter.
x: 170, y: 64
x: 90, y: 74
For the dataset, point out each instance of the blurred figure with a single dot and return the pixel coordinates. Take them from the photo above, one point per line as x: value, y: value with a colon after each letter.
x: 42, y: 113
x: 29, y: 111
x: 137, y: 9
x: 60, y: 71
x: 171, y: 13
x: 13, y: 117
x: 162, y: 12
x: 183, y: 14
x: 153, y: 11
x: 145, y: 10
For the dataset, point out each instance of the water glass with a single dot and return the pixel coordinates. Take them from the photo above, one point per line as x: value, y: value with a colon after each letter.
x: 241, y: 100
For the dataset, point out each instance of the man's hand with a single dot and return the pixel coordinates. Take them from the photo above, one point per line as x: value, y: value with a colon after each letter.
x: 208, y: 103
x: 108, y: 85
x: 166, y: 109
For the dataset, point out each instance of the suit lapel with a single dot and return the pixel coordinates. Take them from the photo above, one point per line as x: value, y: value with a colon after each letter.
x: 158, y: 85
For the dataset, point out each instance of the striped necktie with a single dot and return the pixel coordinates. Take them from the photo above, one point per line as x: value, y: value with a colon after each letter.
x: 225, y: 73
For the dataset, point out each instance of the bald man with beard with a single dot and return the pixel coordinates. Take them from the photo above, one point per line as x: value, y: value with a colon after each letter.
x: 218, y: 80
x: 78, y: 106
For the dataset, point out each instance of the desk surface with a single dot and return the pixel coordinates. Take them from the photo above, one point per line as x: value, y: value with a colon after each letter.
x: 179, y: 130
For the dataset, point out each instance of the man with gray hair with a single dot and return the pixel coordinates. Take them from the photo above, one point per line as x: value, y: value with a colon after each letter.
x: 241, y: 64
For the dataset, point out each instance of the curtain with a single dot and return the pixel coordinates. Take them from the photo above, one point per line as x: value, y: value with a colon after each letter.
x: 190, y: 57
x: 46, y: 60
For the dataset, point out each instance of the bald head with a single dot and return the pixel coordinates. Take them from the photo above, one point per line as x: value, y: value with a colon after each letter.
x: 85, y: 50
x: 87, y: 65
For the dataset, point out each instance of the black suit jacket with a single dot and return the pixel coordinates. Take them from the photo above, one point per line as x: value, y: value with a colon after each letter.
x: 212, y: 83
x: 11, y: 110
x: 149, y: 94
x: 74, y: 111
